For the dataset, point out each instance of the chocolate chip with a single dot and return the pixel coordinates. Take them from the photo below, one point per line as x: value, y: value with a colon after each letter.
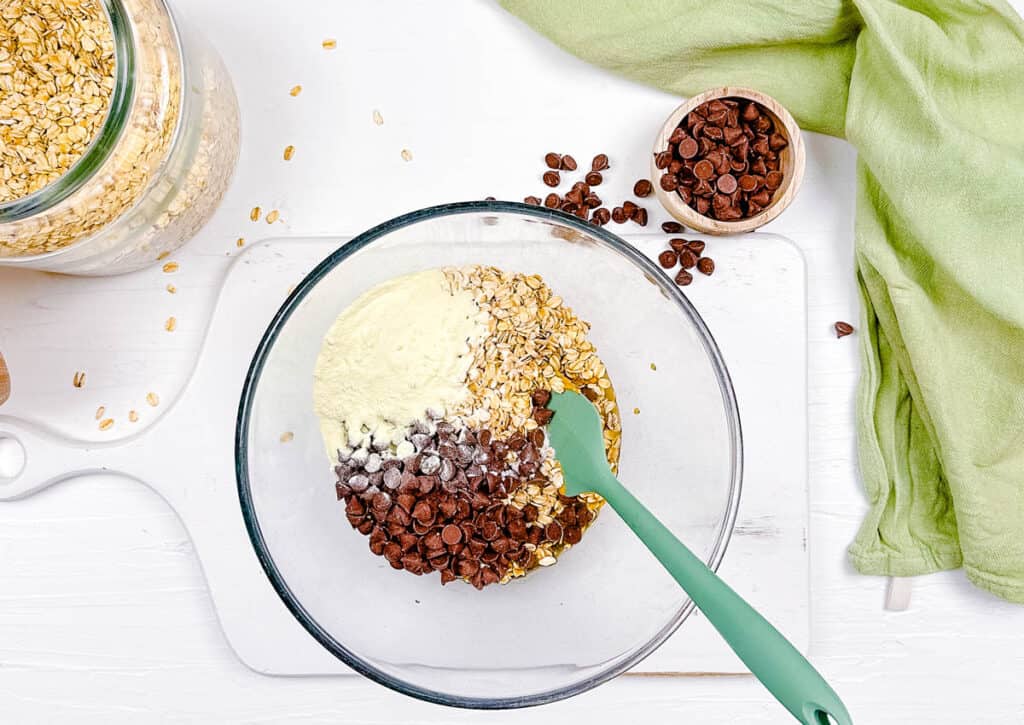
x: 618, y: 215
x: 668, y: 259
x: 683, y: 278
x: 553, y: 160
x: 568, y: 163
x: 671, y: 227
x: 543, y: 416
x: 601, y: 216
x: 551, y: 178
x: 643, y: 188
x: 663, y: 159
x: 551, y: 201
x: 532, y: 201
x: 600, y: 162
x: 843, y: 329
x: 641, y: 217
x: 594, y: 178
x: 706, y: 265
x: 696, y: 246
x: 687, y: 259
x: 688, y: 148
x: 541, y: 398
x: 726, y: 183
x: 669, y: 182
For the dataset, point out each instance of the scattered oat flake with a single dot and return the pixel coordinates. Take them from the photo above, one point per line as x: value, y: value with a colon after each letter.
x: 273, y: 216
x: 172, y: 289
x: 636, y: 411
x: 133, y: 416
x: 162, y: 256
x: 100, y: 411
x: 106, y: 424
x: 171, y: 325
x: 171, y: 267
x: 378, y: 118
x: 407, y: 154
x: 255, y: 214
x: 289, y: 151
x: 296, y: 90
x: 330, y: 44
x: 240, y: 242
x: 153, y: 399
x: 653, y: 366
x: 287, y: 437
x: 78, y: 380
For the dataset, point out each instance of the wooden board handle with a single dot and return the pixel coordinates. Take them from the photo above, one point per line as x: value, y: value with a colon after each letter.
x: 5, y: 381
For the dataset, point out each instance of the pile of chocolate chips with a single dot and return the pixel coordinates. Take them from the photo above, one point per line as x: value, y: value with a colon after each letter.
x: 442, y: 508
x: 581, y: 199
x: 723, y: 159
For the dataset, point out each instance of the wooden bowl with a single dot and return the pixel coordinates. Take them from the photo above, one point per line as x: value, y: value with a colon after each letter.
x: 791, y: 157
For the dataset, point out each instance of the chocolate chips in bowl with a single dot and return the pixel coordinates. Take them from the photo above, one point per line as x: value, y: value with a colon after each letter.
x: 727, y: 161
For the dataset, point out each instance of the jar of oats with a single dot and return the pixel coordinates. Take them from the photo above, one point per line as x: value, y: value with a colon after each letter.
x: 118, y: 134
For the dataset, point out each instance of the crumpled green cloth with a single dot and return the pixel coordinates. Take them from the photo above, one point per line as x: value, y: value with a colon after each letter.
x: 931, y: 94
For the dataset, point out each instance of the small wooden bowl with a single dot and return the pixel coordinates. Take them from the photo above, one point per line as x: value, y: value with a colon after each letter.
x: 792, y: 166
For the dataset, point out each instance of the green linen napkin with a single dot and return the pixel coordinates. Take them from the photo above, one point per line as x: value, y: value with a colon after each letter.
x: 931, y: 94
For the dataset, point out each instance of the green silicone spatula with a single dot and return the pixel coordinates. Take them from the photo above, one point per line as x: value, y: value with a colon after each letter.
x: 576, y: 435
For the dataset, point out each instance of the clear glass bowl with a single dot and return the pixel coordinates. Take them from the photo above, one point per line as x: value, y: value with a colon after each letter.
x: 561, y: 630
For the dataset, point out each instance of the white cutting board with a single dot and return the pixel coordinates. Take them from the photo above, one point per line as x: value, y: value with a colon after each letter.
x: 755, y: 307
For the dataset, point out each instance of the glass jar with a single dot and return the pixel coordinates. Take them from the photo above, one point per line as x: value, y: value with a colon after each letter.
x: 155, y: 171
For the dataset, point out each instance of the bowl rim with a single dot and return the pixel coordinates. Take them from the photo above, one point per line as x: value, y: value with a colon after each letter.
x: 250, y: 386
x: 792, y: 182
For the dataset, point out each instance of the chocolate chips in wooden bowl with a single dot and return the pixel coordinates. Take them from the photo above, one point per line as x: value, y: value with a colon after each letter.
x: 727, y: 161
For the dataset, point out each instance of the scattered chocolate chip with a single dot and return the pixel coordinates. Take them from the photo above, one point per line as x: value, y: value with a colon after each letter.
x: 696, y: 246
x: 668, y: 259
x: 568, y: 163
x: 671, y: 227
x: 706, y: 265
x: 843, y: 329
x: 641, y: 217
x: 683, y: 278
x: 551, y: 178
x: 643, y: 188
x: 677, y: 245
x: 687, y: 259
x: 594, y: 178
x: 601, y: 216
x: 553, y: 160
x: 600, y: 162
x: 532, y: 200
x: 618, y: 215
x: 551, y: 201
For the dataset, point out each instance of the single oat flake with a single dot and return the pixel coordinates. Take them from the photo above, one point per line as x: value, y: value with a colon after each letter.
x: 240, y: 242
x: 133, y: 416
x: 171, y: 267
x: 287, y: 437
x: 106, y: 424
x: 406, y: 155
x: 153, y: 399
x: 78, y: 380
x: 172, y: 289
x: 100, y: 411
x: 254, y: 215
x: 171, y: 325
x: 296, y: 90
x: 378, y: 118
x: 289, y: 151
x: 273, y: 216
x: 330, y: 44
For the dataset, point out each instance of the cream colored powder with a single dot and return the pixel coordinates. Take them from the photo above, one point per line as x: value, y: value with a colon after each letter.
x: 398, y: 350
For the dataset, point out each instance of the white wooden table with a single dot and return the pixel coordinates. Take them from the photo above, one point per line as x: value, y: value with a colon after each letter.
x: 104, y: 616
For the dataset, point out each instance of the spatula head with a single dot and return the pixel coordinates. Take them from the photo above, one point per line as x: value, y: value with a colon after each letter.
x: 577, y: 435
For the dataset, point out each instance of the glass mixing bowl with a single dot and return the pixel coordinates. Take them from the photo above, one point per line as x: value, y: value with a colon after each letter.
x: 560, y: 630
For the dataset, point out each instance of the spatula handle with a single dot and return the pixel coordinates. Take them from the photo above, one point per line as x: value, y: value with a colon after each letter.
x: 774, y: 661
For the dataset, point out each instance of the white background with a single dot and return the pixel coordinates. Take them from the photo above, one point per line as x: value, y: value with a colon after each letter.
x: 104, y: 616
